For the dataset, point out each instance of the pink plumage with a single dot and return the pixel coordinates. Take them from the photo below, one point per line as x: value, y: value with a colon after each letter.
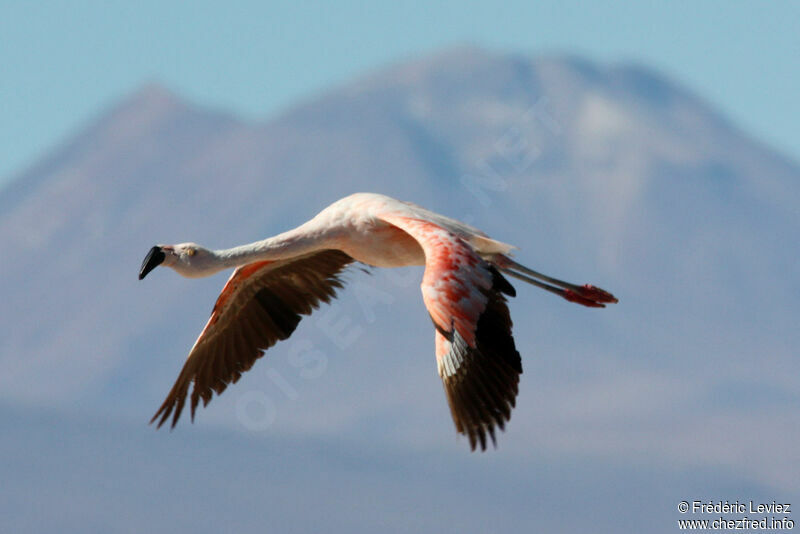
x: 278, y: 280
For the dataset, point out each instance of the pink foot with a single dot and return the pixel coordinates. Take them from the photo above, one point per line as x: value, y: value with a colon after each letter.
x: 589, y: 295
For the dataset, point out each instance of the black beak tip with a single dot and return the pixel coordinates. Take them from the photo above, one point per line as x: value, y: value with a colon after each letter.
x: 153, y: 259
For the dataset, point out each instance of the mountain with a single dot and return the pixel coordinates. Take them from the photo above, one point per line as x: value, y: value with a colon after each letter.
x: 104, y: 473
x: 609, y: 174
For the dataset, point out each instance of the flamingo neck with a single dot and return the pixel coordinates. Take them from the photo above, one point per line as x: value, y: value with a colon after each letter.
x: 287, y: 245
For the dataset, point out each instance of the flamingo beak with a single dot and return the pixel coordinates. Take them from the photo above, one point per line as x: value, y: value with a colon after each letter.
x: 151, y: 261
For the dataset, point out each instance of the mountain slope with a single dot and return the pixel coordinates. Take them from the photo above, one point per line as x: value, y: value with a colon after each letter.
x: 102, y: 474
x: 605, y: 174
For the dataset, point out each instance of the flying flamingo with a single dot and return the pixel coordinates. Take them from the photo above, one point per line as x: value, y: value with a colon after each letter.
x: 281, y: 278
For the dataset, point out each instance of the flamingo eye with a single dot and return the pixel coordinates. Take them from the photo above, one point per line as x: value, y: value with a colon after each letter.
x: 190, y: 252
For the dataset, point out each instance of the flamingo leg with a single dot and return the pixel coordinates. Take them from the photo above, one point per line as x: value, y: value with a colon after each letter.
x: 587, y: 294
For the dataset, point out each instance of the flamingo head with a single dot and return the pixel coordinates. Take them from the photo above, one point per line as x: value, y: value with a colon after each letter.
x: 187, y: 259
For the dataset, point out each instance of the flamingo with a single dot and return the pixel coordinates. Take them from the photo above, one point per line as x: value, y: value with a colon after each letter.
x: 280, y: 279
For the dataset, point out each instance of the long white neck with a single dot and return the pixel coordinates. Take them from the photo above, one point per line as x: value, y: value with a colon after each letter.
x: 302, y: 240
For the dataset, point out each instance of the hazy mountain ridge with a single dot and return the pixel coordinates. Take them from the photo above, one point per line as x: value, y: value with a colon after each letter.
x: 611, y: 175
x: 101, y: 473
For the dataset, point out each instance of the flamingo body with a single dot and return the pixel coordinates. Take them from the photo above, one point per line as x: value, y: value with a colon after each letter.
x: 278, y: 280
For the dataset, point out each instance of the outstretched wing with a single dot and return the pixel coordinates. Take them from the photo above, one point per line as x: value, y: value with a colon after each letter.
x: 475, y: 352
x: 261, y: 304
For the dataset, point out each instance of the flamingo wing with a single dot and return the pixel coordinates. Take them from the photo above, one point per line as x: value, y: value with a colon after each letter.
x: 476, y: 357
x: 261, y: 304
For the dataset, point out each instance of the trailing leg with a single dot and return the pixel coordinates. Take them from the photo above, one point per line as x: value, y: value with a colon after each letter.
x: 587, y: 294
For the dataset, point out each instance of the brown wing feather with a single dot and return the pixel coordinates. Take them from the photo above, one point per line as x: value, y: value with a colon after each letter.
x: 260, y: 305
x: 477, y: 359
x: 481, y: 382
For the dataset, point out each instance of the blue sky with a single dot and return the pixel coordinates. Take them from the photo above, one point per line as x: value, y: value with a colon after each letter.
x: 61, y: 63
